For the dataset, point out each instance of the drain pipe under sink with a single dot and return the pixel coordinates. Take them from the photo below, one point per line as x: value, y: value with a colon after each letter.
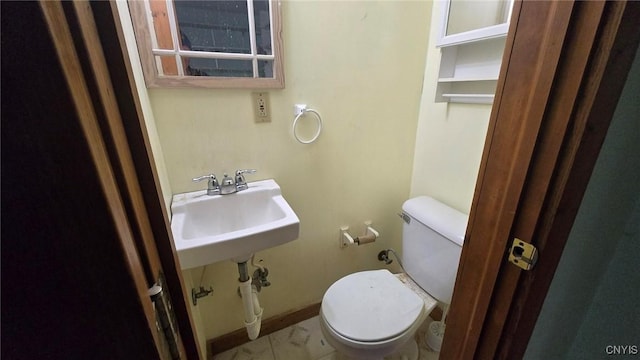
x: 252, y: 309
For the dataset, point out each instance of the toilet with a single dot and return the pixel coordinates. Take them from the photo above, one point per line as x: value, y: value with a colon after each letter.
x: 374, y: 314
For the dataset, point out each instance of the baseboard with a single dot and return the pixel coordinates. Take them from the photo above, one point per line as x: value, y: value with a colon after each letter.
x: 270, y: 325
x: 436, y: 313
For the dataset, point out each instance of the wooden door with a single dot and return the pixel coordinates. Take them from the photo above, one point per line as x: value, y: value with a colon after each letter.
x: 564, y: 67
x: 80, y: 206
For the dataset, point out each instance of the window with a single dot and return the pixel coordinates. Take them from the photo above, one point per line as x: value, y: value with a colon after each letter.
x: 209, y: 43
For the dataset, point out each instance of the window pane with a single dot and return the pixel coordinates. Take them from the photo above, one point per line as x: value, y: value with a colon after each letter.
x: 218, y: 67
x: 161, y: 26
x: 263, y: 26
x: 217, y: 26
x: 166, y: 65
x: 265, y: 68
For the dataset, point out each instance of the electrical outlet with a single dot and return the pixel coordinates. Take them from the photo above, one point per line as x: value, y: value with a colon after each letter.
x: 261, y: 107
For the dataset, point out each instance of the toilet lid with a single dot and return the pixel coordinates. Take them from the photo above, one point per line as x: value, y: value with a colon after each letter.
x: 370, y: 306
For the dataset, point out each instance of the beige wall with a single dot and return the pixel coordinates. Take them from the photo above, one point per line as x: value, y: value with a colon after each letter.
x: 360, y: 64
x: 449, y: 139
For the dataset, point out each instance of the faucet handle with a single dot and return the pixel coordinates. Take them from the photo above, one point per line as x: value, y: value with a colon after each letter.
x: 204, y: 177
x: 213, y: 187
x: 241, y: 183
x: 245, y: 171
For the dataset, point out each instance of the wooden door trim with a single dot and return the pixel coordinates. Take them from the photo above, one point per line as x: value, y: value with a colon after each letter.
x: 615, y: 47
x: 122, y: 160
x: 72, y: 68
x: 532, y: 52
x: 111, y: 40
x: 557, y: 118
x: 123, y: 148
x: 573, y: 118
x: 122, y: 154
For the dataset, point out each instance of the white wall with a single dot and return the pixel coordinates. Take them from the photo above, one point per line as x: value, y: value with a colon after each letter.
x: 449, y: 140
x: 593, y: 298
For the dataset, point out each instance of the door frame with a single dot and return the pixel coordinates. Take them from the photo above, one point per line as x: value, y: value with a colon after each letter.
x: 557, y: 91
x: 92, y: 51
x: 558, y: 88
x: 75, y: 276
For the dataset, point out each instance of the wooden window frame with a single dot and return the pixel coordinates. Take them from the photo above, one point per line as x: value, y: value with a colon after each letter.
x: 141, y: 19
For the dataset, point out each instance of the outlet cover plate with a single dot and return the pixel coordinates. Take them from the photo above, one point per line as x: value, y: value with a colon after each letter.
x: 261, y: 107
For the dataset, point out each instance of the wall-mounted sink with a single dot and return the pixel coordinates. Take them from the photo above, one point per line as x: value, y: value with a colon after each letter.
x: 207, y: 229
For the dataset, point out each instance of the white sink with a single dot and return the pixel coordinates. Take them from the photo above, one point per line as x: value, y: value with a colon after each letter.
x: 207, y: 229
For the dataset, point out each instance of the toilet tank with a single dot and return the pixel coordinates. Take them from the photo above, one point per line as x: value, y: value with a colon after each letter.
x: 432, y: 242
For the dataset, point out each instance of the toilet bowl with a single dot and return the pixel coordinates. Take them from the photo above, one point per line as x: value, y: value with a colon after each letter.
x: 373, y: 314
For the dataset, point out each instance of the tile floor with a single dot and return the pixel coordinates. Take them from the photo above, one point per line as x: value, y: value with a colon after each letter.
x: 302, y: 341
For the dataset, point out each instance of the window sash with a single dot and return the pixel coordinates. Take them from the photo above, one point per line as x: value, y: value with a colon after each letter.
x: 151, y: 52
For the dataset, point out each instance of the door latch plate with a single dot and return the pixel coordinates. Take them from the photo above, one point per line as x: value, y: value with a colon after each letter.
x: 523, y: 254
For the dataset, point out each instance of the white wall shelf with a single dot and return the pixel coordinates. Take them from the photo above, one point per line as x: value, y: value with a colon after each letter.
x: 444, y: 80
x: 490, y: 32
x: 469, y: 71
x: 469, y: 98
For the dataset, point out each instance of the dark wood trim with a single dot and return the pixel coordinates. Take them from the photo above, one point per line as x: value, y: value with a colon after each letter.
x: 73, y: 286
x: 113, y: 128
x: 72, y: 69
x: 111, y: 38
x: 529, y: 65
x: 95, y: 29
x: 551, y: 136
x: 270, y: 325
x: 557, y: 92
x: 119, y: 147
x: 614, y: 49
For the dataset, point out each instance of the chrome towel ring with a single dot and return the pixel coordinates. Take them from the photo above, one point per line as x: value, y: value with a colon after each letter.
x: 299, y: 111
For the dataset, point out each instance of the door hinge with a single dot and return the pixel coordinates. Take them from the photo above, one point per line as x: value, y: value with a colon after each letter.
x: 523, y: 254
x: 165, y: 318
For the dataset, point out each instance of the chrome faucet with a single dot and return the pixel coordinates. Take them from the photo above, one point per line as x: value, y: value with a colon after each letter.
x: 213, y: 187
x: 229, y: 185
x: 241, y: 183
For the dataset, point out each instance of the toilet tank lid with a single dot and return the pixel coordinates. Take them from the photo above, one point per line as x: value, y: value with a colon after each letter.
x: 441, y: 218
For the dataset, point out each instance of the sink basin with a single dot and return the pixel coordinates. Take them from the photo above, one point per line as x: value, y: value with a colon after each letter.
x: 207, y: 229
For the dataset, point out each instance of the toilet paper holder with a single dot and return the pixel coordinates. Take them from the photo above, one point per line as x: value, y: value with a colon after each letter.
x: 369, y: 236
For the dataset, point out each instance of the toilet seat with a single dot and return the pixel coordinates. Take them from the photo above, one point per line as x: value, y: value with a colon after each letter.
x: 371, y: 306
